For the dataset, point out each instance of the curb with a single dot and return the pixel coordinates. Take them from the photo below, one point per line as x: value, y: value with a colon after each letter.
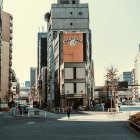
x: 132, y: 129
x: 1, y: 113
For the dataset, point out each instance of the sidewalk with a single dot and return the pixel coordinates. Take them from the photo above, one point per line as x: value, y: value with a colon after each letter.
x: 91, y: 116
x: 82, y: 115
x: 1, y: 112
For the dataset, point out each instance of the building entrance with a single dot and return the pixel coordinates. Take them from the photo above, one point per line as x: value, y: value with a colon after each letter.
x: 75, y: 103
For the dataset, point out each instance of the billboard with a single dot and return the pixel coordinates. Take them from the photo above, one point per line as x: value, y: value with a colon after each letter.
x: 73, y: 47
x: 27, y: 83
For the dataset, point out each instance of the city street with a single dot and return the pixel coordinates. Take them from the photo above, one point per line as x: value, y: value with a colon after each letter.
x: 23, y: 128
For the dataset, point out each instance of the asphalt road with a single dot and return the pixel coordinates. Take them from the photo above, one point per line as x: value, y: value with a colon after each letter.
x: 18, y: 128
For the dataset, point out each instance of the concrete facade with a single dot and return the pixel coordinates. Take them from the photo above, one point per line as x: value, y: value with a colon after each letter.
x: 137, y: 77
x: 69, y: 40
x: 41, y: 69
x: 6, y: 56
x: 134, y: 88
x: 14, y: 88
x: 33, y: 76
x: 43, y: 86
x: 72, y: 85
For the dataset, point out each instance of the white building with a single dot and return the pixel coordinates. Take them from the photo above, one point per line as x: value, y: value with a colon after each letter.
x: 14, y: 89
x: 137, y: 76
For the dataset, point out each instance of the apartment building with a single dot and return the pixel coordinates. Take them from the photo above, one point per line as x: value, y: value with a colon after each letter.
x: 6, y: 56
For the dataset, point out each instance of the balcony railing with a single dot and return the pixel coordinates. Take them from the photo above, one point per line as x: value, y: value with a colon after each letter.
x: 10, y: 48
x: 11, y: 31
x: 11, y: 21
x: 11, y: 17
x: 10, y: 63
x: 11, y: 37
x: 10, y: 70
x: 11, y: 24
x: 10, y: 91
x: 10, y: 56
x: 11, y: 42
x: 10, y: 84
x: 10, y: 78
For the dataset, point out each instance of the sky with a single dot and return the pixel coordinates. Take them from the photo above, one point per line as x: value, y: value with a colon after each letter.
x: 115, y: 26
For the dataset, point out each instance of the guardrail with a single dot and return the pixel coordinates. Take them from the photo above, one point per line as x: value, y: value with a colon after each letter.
x: 30, y: 113
x: 119, y: 115
x: 59, y: 110
x: 35, y: 113
x: 18, y: 112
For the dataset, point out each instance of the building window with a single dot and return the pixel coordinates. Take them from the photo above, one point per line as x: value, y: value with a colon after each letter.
x: 80, y: 13
x: 73, y: 2
x: 74, y: 87
x: 71, y: 24
x: 71, y: 13
x: 64, y: 2
x: 74, y: 71
x: 54, y: 34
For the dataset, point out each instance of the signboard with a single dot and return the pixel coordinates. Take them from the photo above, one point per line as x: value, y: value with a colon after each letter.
x: 72, y: 41
x: 73, y: 47
x: 123, y: 84
x: 27, y: 83
x: 17, y: 99
x: 110, y: 96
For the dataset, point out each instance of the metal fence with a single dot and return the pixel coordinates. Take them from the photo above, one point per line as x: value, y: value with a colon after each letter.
x: 29, y: 113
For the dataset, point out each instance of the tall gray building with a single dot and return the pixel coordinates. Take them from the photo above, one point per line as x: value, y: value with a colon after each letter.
x: 68, y: 21
x: 1, y: 5
x: 41, y: 68
x: 32, y: 76
x: 42, y: 51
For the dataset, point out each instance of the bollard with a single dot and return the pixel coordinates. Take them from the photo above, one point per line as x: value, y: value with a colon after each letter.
x: 28, y: 113
x: 113, y: 115
x: 63, y: 110
x: 45, y: 114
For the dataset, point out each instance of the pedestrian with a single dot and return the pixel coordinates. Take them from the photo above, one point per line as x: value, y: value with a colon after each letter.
x: 94, y: 105
x: 68, y: 112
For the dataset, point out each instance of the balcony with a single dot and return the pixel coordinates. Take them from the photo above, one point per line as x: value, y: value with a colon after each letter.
x: 10, y: 70
x: 10, y: 56
x: 11, y: 21
x: 10, y: 63
x: 11, y: 28
x: 11, y: 42
x: 10, y: 91
x: 10, y: 49
x: 11, y: 31
x: 10, y: 84
x: 11, y: 24
x: 11, y: 17
x: 11, y: 37
x: 10, y: 77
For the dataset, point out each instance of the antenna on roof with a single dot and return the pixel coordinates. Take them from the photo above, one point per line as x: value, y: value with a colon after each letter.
x: 42, y: 28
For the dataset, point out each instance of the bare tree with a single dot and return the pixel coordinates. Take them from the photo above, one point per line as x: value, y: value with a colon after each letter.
x: 112, y: 78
